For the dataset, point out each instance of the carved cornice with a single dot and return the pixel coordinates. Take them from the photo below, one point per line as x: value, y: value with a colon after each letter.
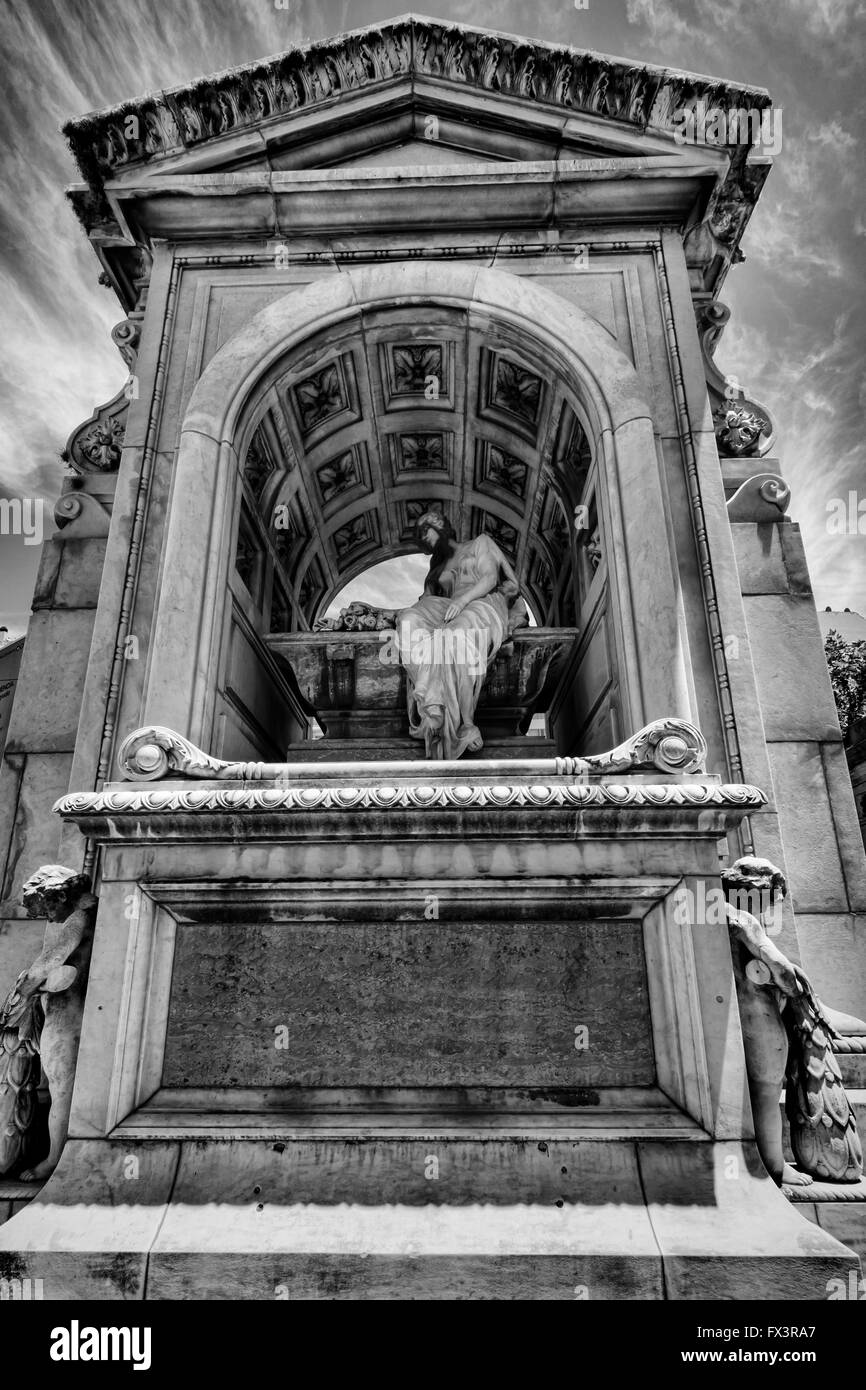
x: 139, y: 801
x: 567, y: 79
x: 743, y: 428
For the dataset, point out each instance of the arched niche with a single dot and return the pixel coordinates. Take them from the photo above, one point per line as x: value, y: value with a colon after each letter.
x: 318, y: 407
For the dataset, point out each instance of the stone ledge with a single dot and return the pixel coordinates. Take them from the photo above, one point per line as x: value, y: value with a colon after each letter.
x: 649, y: 1219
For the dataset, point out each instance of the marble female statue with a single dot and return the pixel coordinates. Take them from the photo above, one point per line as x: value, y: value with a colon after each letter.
x: 40, y: 1019
x: 447, y: 640
x: 787, y: 1039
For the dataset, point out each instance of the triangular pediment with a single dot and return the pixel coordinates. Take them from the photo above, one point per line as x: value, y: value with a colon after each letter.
x: 483, y: 93
x: 413, y: 95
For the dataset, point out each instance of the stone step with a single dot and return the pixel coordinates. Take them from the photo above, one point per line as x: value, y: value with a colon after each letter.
x: 852, y: 1065
x: 14, y: 1196
x: 374, y: 1219
x: 349, y: 750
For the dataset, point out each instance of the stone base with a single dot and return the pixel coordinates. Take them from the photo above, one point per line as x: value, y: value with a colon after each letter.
x: 476, y: 1217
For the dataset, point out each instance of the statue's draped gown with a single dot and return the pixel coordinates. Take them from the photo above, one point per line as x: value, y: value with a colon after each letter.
x: 446, y: 664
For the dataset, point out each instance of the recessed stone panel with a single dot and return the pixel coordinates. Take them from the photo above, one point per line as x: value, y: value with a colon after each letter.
x: 422, y: 1003
x: 325, y: 400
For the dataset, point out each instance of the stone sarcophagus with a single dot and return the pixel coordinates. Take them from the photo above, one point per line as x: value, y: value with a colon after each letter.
x: 355, y: 685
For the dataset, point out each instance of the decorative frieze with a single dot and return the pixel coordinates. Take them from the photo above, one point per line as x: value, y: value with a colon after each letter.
x: 563, y: 78
x: 141, y: 801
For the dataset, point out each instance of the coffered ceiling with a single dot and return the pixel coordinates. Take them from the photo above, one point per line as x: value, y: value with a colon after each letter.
x: 361, y: 431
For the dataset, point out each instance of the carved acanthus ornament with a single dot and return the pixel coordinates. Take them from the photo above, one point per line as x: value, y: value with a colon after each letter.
x: 421, y: 797
x: 563, y: 79
x: 743, y: 428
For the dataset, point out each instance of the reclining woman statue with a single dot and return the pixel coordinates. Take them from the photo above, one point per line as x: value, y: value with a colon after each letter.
x: 447, y: 640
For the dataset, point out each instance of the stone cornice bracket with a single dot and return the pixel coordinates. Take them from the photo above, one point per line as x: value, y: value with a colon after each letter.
x: 80, y: 515
x: 743, y: 428
x: 762, y: 498
x: 95, y: 446
x: 712, y: 241
x: 670, y: 746
x: 126, y: 334
x: 666, y: 745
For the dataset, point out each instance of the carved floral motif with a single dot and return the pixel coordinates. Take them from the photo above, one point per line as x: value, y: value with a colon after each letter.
x: 414, y: 365
x: 421, y: 452
x: 319, y: 397
x: 517, y: 390
x: 338, y: 475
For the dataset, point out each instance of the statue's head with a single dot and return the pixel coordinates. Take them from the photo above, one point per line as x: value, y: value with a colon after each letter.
x: 753, y: 885
x: 53, y: 891
x: 433, y: 530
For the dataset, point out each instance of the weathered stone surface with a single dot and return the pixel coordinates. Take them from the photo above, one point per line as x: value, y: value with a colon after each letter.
x: 725, y: 1236
x: 50, y: 684
x: 831, y: 945
x: 815, y: 875
x: 361, y: 1008
x: 760, y: 557
x: 36, y: 834
x: 80, y: 577
x: 793, y: 683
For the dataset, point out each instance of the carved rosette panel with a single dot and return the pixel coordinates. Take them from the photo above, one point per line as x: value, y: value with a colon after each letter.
x: 339, y: 475
x: 497, y: 471
x: 517, y: 390
x: 414, y: 367
x: 424, y: 451
x: 359, y: 535
x: 505, y: 536
x: 319, y: 396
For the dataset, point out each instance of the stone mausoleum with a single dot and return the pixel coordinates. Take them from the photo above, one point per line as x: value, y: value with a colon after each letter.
x: 360, y: 1023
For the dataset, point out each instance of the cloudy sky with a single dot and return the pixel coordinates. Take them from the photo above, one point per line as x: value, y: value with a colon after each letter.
x: 796, y: 338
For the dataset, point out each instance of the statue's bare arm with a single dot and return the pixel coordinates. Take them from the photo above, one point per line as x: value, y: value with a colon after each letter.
x: 750, y: 933
x: 61, y: 940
